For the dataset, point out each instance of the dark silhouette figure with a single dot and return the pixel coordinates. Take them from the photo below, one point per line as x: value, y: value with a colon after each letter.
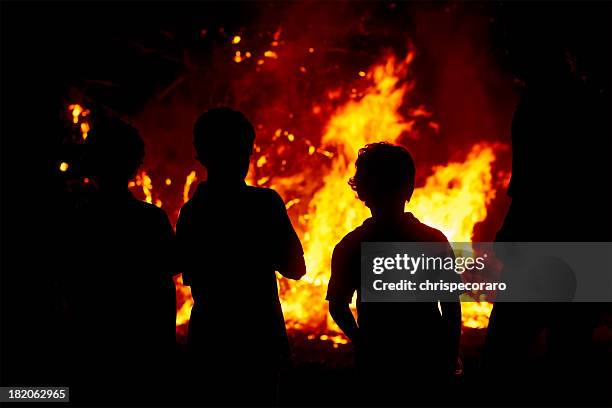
x: 121, y: 298
x: 402, y: 349
x: 232, y: 238
x: 560, y: 190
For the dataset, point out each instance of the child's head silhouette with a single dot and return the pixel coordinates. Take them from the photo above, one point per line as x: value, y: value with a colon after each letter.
x: 385, y: 176
x: 223, y: 139
x: 114, y: 152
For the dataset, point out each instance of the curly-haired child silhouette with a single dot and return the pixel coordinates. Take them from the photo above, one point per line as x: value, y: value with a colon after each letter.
x: 402, y: 349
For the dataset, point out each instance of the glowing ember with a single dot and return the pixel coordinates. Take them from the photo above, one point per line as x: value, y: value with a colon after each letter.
x: 143, y: 180
x: 77, y: 110
x: 79, y: 114
x: 84, y: 130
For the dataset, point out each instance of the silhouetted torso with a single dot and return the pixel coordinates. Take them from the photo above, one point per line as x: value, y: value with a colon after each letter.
x: 399, y: 340
x: 121, y: 295
x: 560, y: 190
x: 231, y: 240
x: 560, y: 165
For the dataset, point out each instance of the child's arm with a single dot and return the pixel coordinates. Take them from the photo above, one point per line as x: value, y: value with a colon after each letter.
x: 342, y: 315
x: 289, y: 260
x: 340, y: 292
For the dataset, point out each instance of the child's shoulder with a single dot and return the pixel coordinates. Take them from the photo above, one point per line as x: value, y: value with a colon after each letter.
x: 265, y: 196
x: 423, y: 232
x: 353, y: 239
x: 152, y: 212
x: 187, y: 207
x: 254, y: 197
x: 263, y: 192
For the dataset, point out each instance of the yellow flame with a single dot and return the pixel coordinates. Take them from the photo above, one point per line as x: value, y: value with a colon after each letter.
x: 185, y: 300
x: 475, y: 313
x: 191, y: 178
x: 454, y: 198
x: 460, y: 188
x: 334, y: 210
x: 144, y: 181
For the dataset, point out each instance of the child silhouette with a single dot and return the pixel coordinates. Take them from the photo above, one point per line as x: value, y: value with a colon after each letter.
x: 401, y: 348
x: 232, y: 238
x: 121, y: 297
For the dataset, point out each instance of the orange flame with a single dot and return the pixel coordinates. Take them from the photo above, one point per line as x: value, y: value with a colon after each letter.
x: 456, y: 195
x: 184, y: 302
x: 453, y: 199
x: 475, y: 311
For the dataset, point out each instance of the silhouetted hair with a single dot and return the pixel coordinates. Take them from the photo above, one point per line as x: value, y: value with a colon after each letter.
x: 114, y: 150
x: 220, y: 131
x: 383, y: 170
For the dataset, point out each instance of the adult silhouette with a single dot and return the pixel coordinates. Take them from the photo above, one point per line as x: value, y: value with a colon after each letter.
x: 560, y: 190
x: 121, y: 297
x: 231, y: 239
x: 403, y: 350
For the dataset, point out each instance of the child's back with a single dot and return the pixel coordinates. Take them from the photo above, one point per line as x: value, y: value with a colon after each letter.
x: 231, y: 239
x: 404, y: 335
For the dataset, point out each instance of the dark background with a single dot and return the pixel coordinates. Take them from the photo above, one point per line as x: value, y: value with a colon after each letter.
x: 49, y: 47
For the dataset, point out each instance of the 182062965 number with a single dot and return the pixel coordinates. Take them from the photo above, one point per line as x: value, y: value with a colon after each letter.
x: 15, y: 394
